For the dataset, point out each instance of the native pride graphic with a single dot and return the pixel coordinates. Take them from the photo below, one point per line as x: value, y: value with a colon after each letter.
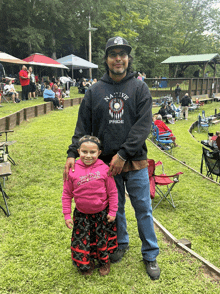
x: 116, y: 107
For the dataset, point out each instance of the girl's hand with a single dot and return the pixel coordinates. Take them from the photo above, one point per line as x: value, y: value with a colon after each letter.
x: 69, y: 223
x: 110, y: 218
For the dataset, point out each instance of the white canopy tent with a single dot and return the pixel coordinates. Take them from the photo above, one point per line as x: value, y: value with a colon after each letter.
x: 5, y: 57
x: 75, y: 62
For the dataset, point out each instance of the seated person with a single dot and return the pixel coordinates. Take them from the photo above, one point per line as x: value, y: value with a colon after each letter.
x: 165, y: 115
x: 198, y: 102
x: 82, y: 86
x: 58, y: 94
x: 163, y: 128
x: 9, y: 90
x: 177, y: 110
x: 94, y: 81
x: 170, y: 109
x: 49, y: 95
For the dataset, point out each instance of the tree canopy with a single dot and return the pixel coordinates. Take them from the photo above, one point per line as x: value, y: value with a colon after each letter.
x: 156, y: 29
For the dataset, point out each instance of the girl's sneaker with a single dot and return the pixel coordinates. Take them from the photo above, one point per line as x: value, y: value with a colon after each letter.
x: 89, y: 271
x: 105, y: 269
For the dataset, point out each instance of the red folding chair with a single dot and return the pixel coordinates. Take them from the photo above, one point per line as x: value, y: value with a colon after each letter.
x: 161, y: 180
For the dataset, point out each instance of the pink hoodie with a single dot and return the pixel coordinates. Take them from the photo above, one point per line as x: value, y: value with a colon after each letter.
x: 92, y: 189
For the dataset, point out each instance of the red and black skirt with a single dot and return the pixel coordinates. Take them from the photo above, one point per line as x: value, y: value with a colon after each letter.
x: 92, y: 238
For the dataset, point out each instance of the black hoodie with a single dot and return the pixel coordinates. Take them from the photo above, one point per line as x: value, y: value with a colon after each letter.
x: 119, y: 114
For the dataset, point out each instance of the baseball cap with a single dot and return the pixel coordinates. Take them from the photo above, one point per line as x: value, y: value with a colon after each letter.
x: 117, y: 41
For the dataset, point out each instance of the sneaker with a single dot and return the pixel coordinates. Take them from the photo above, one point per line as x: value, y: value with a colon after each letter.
x: 60, y: 108
x: 152, y: 269
x: 105, y: 269
x: 117, y: 256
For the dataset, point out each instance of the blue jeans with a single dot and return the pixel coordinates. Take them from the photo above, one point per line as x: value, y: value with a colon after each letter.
x: 138, y: 188
x: 177, y: 99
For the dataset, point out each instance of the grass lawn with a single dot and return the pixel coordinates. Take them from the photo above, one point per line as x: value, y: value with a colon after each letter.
x: 35, y: 243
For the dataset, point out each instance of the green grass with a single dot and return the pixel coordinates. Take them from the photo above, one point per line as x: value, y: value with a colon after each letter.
x: 35, y: 243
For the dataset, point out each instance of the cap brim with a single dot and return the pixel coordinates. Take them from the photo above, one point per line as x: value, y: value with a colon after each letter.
x: 126, y: 47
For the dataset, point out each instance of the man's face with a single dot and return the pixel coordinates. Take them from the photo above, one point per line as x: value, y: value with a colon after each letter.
x: 117, y: 62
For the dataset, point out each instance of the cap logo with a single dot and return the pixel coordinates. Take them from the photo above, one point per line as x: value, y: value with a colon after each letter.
x: 118, y: 41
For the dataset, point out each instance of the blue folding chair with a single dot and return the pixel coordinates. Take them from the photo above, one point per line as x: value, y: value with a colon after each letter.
x: 164, y: 141
x: 202, y: 125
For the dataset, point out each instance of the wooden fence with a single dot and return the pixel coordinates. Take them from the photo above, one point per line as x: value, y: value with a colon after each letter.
x: 15, y: 119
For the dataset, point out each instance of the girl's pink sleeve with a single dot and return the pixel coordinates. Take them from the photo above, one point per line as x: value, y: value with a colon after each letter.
x: 67, y: 198
x: 112, y: 193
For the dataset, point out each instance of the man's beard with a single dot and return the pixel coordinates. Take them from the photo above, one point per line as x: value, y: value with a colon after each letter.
x: 118, y: 73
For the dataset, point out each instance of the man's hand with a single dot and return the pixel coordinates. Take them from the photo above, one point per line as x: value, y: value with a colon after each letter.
x: 70, y: 164
x: 116, y: 165
x: 110, y: 218
x: 69, y: 223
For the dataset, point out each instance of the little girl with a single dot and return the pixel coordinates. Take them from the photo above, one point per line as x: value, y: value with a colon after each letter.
x: 94, y: 233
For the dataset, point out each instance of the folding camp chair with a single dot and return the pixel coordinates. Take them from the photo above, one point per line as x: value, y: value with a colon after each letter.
x: 202, y: 125
x: 161, y: 180
x: 212, y: 163
x: 164, y: 141
x: 163, y: 135
x: 5, y: 171
x: 7, y: 144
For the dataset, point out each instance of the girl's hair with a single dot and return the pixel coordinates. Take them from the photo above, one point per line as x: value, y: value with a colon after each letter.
x: 88, y: 138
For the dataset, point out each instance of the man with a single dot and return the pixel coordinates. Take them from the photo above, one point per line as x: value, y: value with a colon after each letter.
x: 2, y: 72
x: 24, y: 77
x: 177, y: 93
x: 118, y: 110
x: 185, y: 102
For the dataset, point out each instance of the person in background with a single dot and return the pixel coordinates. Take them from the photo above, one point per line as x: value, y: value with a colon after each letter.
x: 32, y: 85
x: 2, y: 72
x: 139, y: 76
x: 94, y: 81
x: 49, y: 95
x: 163, y: 128
x: 95, y: 194
x: 165, y: 115
x: 177, y: 93
x: 196, y: 73
x: 9, y: 90
x: 170, y: 110
x: 185, y: 102
x: 24, y: 77
x: 58, y: 94
x: 118, y: 110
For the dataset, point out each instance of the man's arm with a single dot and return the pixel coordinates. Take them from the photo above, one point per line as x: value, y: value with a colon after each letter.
x: 141, y: 129
x: 83, y: 127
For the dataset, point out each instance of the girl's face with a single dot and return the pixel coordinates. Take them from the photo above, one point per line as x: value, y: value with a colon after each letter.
x: 89, y: 152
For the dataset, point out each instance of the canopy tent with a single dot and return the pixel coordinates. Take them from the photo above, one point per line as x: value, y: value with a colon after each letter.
x: 183, y: 61
x: 42, y: 60
x: 5, y: 57
x: 76, y: 62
